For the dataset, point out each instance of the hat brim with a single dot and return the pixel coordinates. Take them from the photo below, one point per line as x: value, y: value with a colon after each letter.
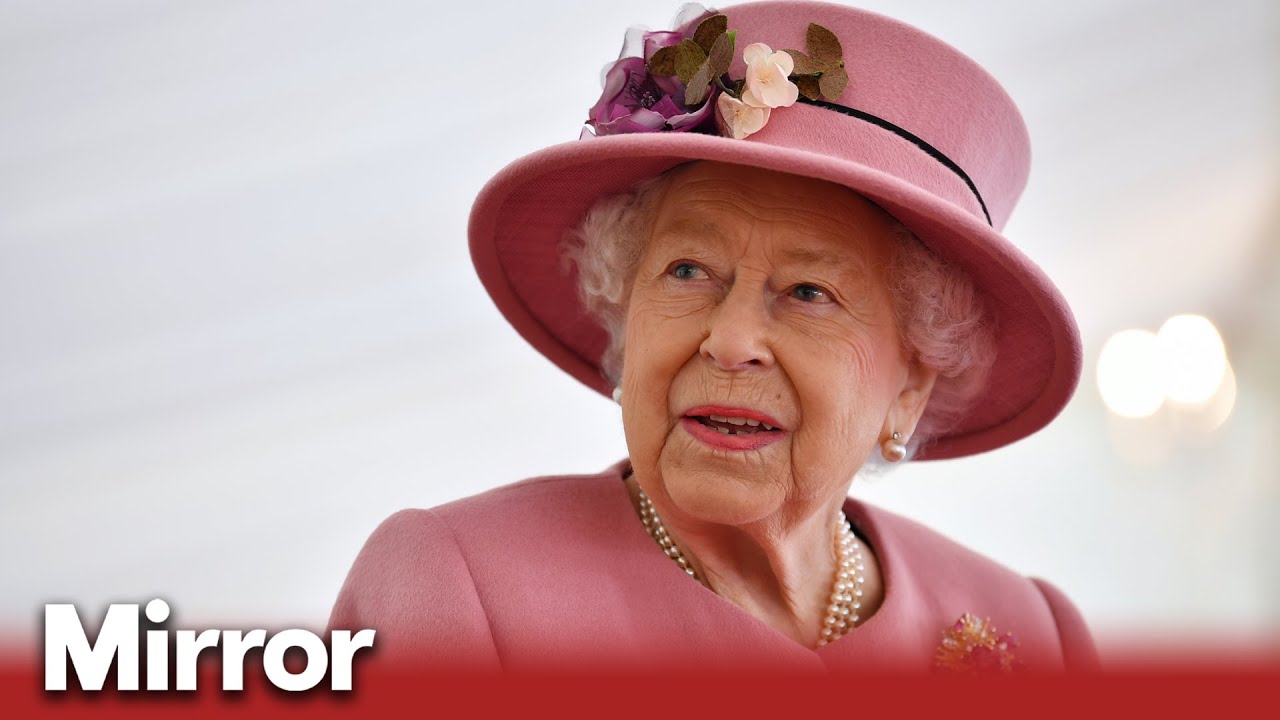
x: 522, y: 214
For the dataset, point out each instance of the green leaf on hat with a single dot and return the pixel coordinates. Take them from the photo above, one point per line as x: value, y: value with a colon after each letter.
x: 689, y: 57
x: 663, y: 62
x: 696, y: 91
x: 823, y: 46
x: 709, y: 30
x: 833, y: 82
x: 804, y: 65
x: 721, y: 55
x: 809, y: 86
x: 819, y: 73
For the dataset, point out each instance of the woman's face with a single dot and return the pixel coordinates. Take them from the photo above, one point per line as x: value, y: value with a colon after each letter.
x: 760, y: 298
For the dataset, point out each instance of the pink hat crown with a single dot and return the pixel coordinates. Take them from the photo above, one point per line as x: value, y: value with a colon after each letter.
x: 905, y: 86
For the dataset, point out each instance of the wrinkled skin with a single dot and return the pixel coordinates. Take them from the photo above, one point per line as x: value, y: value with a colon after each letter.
x: 764, y: 290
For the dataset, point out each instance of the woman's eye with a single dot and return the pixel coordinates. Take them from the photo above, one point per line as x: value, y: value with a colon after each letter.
x: 685, y: 270
x: 809, y: 293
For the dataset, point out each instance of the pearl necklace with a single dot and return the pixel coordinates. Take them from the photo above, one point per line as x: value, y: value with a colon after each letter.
x: 846, y: 592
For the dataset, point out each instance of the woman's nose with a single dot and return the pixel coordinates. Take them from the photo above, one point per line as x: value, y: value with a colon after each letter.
x: 737, y: 333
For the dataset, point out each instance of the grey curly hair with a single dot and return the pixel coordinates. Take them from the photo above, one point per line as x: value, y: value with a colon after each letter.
x: 941, y: 317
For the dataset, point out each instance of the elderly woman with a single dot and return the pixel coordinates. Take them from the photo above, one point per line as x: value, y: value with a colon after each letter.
x: 778, y: 249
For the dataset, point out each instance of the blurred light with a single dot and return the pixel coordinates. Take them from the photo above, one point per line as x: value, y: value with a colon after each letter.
x: 1127, y: 374
x: 1193, y: 360
x: 1215, y: 412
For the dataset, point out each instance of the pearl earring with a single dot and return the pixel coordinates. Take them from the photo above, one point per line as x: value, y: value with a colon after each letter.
x: 617, y: 395
x: 893, y: 449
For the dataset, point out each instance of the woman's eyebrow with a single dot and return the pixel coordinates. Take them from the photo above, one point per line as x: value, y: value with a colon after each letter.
x: 842, y: 262
x: 793, y: 254
x: 807, y: 256
x: 696, y: 229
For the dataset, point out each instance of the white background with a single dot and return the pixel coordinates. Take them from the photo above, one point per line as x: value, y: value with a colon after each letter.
x: 239, y: 325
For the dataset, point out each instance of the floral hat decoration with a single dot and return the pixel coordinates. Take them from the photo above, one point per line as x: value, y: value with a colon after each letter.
x: 811, y: 89
x: 682, y: 76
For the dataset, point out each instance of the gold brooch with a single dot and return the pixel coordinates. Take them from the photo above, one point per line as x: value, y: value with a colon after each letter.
x: 974, y: 645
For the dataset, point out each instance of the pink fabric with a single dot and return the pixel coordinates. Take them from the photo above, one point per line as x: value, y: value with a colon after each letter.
x: 897, y: 73
x: 558, y: 572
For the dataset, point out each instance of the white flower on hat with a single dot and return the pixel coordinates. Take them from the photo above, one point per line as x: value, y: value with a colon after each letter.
x: 767, y: 85
x: 738, y: 119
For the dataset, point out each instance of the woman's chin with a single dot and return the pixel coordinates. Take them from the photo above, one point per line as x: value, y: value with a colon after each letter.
x: 711, y: 496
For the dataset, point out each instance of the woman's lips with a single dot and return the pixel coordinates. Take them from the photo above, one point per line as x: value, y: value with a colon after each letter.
x: 723, y: 427
x: 728, y: 441
x: 730, y: 411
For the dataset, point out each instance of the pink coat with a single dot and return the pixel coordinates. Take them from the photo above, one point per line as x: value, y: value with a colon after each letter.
x: 558, y: 571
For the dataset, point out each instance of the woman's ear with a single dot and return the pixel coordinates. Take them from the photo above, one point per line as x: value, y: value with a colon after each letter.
x: 906, y: 409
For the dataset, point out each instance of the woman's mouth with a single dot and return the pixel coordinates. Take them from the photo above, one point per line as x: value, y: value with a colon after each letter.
x: 733, y: 425
x: 730, y: 431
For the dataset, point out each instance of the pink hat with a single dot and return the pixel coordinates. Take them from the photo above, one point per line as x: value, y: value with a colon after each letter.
x: 921, y: 130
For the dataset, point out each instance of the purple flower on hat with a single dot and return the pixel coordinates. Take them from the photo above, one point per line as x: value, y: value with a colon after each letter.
x: 635, y: 100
